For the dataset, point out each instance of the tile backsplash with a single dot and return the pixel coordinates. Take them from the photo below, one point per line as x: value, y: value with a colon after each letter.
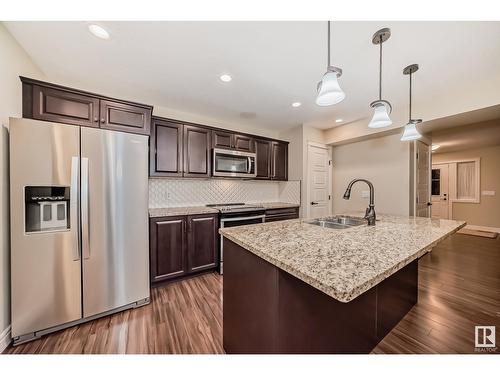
x: 177, y: 192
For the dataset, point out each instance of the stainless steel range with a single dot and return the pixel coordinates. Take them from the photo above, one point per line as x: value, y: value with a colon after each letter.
x: 236, y: 214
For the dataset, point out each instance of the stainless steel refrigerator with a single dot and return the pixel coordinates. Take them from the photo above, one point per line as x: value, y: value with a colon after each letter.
x: 79, y: 224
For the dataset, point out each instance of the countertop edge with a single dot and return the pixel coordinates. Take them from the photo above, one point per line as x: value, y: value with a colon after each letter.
x: 344, y: 296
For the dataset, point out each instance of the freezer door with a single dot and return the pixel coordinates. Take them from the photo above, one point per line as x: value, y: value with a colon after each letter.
x: 115, y: 242
x: 45, y: 257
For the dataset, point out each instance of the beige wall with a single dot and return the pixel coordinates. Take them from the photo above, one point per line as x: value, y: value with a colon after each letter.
x: 299, y: 137
x: 14, y: 62
x: 487, y: 212
x: 385, y: 162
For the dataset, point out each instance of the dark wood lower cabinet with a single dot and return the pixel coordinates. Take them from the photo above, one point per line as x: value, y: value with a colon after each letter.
x: 182, y: 245
x: 167, y: 241
x: 202, y: 242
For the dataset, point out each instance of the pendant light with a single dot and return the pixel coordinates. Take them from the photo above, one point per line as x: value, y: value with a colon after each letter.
x: 329, y: 91
x: 382, y: 108
x: 411, y: 133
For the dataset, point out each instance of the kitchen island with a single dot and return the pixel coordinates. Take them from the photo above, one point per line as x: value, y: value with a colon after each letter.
x: 294, y: 287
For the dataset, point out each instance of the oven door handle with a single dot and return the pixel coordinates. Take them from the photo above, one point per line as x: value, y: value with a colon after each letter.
x: 243, y: 218
x: 249, y: 165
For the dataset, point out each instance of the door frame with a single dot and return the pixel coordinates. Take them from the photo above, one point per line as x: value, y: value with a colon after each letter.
x: 450, y: 187
x: 413, y: 175
x: 452, y: 182
x: 308, y: 176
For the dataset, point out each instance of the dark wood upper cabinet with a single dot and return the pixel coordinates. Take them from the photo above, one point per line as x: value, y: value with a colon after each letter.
x: 167, y: 247
x: 197, y: 151
x: 279, y: 161
x: 243, y: 143
x: 222, y: 139
x: 165, y: 147
x: 202, y: 242
x: 124, y: 117
x: 263, y: 153
x: 62, y: 106
x: 226, y: 139
x: 50, y: 102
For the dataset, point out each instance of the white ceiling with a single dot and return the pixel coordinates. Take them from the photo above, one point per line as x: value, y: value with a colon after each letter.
x: 467, y: 137
x: 488, y: 114
x: 177, y: 64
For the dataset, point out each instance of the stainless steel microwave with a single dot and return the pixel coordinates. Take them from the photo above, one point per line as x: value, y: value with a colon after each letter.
x: 231, y: 163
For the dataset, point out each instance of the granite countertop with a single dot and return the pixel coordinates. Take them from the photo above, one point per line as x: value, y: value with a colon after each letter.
x: 196, y: 210
x: 347, y: 262
x: 181, y: 211
x: 272, y: 205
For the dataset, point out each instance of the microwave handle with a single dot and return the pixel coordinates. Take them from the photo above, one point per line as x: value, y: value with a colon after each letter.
x: 249, y: 165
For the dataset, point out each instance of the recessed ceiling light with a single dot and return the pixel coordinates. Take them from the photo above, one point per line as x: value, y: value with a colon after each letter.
x: 98, y: 31
x: 226, y: 78
x: 296, y: 104
x: 338, y: 120
x: 435, y: 147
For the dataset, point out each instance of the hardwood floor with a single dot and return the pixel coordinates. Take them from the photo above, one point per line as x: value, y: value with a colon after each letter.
x: 459, y: 287
x: 183, y: 317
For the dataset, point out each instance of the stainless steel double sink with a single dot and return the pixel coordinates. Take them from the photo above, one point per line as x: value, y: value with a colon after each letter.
x: 338, y: 222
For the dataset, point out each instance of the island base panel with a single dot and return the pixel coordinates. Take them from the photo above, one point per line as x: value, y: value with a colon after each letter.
x: 267, y: 310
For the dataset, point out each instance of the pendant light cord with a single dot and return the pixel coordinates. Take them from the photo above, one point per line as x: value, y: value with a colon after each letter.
x: 328, y: 60
x: 409, y: 119
x: 380, y: 72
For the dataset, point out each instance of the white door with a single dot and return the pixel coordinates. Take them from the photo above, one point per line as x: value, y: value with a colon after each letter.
x: 318, y: 182
x: 440, y: 193
x: 422, y: 179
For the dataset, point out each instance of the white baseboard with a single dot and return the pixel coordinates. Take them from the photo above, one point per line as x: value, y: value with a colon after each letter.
x: 479, y: 227
x: 5, y: 339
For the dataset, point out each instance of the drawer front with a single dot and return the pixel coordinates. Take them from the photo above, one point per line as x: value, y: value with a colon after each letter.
x: 62, y: 106
x: 125, y: 117
x: 282, y: 214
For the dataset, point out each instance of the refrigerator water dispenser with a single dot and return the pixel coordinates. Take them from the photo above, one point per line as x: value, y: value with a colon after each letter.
x: 47, y: 208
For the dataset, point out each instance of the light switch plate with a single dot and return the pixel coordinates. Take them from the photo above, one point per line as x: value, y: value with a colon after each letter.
x: 488, y: 192
x: 365, y: 194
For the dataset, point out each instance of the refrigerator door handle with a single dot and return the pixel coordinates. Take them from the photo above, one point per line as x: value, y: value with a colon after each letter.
x: 85, y: 208
x: 75, y: 161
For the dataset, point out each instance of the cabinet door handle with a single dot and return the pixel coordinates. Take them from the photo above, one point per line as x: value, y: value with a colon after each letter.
x: 103, y: 120
x: 96, y: 119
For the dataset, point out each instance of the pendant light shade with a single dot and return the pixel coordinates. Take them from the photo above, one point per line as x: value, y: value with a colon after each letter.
x: 411, y: 133
x: 382, y: 108
x: 380, y: 117
x: 329, y: 91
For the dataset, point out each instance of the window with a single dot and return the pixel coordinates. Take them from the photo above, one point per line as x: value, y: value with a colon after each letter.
x: 467, y: 181
x: 436, y: 182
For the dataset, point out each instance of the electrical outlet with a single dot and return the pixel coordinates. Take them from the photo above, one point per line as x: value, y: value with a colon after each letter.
x: 365, y: 194
x: 169, y: 195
